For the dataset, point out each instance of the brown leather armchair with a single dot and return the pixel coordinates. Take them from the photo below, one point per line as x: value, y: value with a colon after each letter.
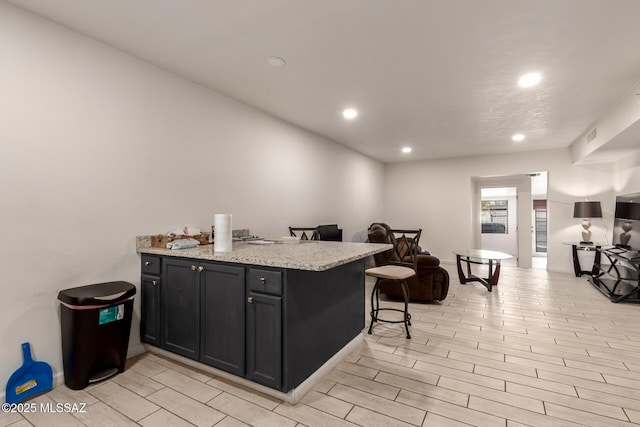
x: 431, y: 282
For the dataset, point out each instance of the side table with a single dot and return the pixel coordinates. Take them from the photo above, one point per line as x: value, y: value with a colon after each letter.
x: 579, y: 246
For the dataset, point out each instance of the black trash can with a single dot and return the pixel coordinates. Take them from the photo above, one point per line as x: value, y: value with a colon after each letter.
x: 95, y: 322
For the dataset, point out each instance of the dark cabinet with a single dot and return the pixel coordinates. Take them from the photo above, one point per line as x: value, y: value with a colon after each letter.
x: 202, y: 312
x: 150, y: 309
x: 180, y: 307
x: 150, y: 299
x: 264, y: 328
x: 222, y: 320
x: 266, y: 324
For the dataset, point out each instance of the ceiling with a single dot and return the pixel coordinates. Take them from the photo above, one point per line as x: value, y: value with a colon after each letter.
x: 437, y: 75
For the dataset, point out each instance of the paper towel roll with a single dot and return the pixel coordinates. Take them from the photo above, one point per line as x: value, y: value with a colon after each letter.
x: 223, y: 236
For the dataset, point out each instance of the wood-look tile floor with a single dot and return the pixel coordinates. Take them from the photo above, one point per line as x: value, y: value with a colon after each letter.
x: 543, y: 349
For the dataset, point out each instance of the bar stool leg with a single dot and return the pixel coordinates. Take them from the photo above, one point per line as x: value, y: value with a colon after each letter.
x: 377, y: 297
x: 374, y: 309
x: 375, y: 306
x: 405, y: 292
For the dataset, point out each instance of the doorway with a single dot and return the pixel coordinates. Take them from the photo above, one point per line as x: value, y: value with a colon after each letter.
x: 512, y: 195
x: 529, y: 219
x: 539, y: 183
x: 499, y: 221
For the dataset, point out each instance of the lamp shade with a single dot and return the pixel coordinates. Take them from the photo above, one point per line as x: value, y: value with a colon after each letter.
x: 587, y: 210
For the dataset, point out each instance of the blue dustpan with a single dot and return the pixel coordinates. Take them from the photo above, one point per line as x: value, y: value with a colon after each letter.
x: 31, y: 379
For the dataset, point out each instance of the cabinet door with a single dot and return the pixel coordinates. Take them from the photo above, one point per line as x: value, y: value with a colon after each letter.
x: 180, y: 307
x: 222, y: 306
x: 264, y: 339
x: 150, y: 310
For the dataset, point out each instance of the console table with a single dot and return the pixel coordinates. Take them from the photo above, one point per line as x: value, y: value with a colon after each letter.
x: 578, y: 246
x: 620, y: 279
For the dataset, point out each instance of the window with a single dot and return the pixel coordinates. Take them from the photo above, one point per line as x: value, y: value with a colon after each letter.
x: 494, y: 216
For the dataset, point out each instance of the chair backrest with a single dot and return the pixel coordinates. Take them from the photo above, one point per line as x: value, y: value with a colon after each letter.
x: 406, y: 241
x: 330, y: 232
x: 301, y: 232
x: 405, y: 244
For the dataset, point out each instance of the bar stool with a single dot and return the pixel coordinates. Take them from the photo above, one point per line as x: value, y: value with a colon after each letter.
x: 399, y: 274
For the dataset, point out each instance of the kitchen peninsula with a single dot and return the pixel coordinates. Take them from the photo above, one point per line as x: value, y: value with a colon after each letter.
x: 273, y: 317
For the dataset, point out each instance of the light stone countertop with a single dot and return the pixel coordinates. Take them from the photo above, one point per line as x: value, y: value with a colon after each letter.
x: 310, y: 255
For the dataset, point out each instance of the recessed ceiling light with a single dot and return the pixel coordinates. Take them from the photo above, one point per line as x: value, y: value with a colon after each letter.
x: 350, y: 114
x: 518, y: 137
x: 275, y: 62
x: 529, y: 79
x: 406, y: 149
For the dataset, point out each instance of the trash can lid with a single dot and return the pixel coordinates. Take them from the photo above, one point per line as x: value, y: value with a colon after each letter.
x: 98, y: 294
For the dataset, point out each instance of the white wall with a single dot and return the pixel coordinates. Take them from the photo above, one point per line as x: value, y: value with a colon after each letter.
x: 436, y: 195
x: 627, y: 176
x: 97, y: 147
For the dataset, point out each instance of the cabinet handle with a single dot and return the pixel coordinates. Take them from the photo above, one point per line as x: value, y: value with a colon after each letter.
x: 200, y: 268
x: 250, y: 300
x: 263, y: 280
x: 193, y: 267
x: 155, y: 283
x: 147, y: 263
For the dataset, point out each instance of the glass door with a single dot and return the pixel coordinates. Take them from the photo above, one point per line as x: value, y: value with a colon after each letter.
x: 541, y: 231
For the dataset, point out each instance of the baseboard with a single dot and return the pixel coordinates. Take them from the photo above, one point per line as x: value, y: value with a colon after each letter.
x: 135, y: 350
x: 308, y: 384
x: 561, y: 270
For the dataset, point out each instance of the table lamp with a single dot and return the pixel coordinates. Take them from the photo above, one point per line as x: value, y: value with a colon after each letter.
x: 587, y: 210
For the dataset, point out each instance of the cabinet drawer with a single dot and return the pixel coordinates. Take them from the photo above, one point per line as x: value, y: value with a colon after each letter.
x: 265, y: 281
x: 150, y: 265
